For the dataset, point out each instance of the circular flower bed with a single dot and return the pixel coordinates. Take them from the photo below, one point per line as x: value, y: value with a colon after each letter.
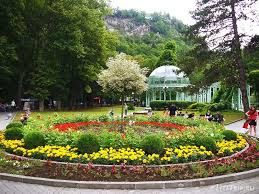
x: 139, y: 149
x: 144, y: 140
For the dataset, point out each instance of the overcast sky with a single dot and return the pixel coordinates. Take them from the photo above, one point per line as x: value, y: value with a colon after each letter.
x: 177, y: 8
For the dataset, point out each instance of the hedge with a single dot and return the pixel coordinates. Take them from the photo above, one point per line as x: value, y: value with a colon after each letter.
x: 160, y: 105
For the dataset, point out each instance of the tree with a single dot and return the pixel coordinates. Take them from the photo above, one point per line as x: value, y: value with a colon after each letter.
x: 168, y: 56
x: 251, y: 53
x: 53, y: 48
x: 218, y: 20
x: 123, y: 77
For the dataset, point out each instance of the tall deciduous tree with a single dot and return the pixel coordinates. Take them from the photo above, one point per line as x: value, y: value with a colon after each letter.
x: 123, y: 77
x: 217, y: 20
x: 59, y: 46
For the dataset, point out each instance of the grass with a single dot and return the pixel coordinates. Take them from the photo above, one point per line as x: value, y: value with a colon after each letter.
x: 229, y: 115
x: 91, y: 111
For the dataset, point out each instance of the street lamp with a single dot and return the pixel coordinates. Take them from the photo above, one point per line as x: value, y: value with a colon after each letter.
x: 165, y: 87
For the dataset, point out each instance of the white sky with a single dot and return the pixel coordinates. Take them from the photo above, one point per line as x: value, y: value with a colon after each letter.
x: 178, y: 8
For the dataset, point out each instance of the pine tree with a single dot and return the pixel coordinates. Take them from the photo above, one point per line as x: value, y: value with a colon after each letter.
x: 217, y: 20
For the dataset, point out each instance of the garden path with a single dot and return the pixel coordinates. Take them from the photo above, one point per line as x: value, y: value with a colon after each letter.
x: 250, y: 186
x: 237, y: 127
x: 5, y: 119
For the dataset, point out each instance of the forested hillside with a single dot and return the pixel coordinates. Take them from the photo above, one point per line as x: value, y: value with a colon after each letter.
x: 144, y: 36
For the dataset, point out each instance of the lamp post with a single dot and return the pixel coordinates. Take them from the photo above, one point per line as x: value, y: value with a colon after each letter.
x: 165, y: 87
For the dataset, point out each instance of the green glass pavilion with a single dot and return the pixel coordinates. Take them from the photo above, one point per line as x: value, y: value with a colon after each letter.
x: 166, y: 82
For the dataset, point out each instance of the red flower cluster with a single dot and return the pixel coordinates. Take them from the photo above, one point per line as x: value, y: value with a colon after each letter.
x: 74, y: 126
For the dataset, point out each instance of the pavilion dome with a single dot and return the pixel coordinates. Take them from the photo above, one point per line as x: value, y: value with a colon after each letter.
x: 168, y: 72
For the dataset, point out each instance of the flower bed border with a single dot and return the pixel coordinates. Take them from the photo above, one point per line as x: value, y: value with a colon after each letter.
x: 132, y: 185
x: 109, y: 166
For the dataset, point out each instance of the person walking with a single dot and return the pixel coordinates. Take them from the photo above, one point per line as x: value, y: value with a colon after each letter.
x: 252, y: 119
x: 13, y: 105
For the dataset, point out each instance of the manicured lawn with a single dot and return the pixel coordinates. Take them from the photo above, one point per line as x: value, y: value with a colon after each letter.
x: 91, y: 111
x: 229, y: 116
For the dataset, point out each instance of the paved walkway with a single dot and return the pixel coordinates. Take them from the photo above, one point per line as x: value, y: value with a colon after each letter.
x: 237, y: 127
x: 250, y: 186
x: 5, y: 119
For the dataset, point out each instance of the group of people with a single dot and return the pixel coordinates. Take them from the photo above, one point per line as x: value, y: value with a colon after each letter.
x: 173, y: 111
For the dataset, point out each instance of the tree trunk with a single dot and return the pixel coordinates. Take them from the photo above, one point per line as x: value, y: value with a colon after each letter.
x: 238, y: 59
x: 122, y: 109
x: 41, y: 105
x: 122, y: 117
x: 19, y: 89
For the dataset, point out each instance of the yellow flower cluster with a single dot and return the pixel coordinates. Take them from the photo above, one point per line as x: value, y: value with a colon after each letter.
x: 12, y: 144
x: 55, y: 152
x: 120, y: 155
x: 123, y: 155
x: 229, y: 147
x: 187, y: 153
x: 1, y: 137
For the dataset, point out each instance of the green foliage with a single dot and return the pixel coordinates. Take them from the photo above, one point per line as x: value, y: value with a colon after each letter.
x: 219, y: 106
x: 88, y: 143
x: 103, y: 118
x: 160, y: 105
x: 55, y: 48
x: 153, y: 144
x: 34, y: 139
x: 14, y: 124
x: 13, y: 133
x: 131, y: 106
x: 229, y: 135
x: 198, y: 105
x: 61, y: 139
x: 253, y: 79
x: 168, y: 56
x: 109, y: 139
x: 208, y: 142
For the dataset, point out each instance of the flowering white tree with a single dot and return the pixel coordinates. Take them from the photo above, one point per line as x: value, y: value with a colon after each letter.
x: 123, y: 77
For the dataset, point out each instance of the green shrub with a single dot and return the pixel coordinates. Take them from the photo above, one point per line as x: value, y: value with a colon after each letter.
x: 103, y: 118
x: 131, y: 106
x: 13, y: 133
x: 88, y: 143
x: 198, y: 105
x: 160, y: 105
x: 153, y: 144
x: 229, y: 135
x: 15, y: 124
x: 219, y: 106
x: 34, y: 139
x: 208, y: 142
